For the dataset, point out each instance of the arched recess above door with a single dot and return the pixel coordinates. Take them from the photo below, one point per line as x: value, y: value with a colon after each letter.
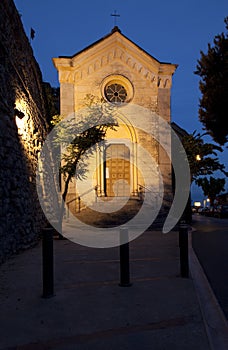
x: 124, y: 130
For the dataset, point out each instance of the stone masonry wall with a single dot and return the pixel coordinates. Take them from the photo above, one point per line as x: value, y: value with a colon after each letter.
x: 21, y: 217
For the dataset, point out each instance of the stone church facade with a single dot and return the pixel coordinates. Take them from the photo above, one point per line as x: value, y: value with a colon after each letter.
x: 119, y: 71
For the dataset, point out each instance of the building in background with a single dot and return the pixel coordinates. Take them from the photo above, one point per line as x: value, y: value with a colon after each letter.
x: 119, y: 71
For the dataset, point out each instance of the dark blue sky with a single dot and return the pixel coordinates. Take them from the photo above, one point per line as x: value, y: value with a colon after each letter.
x: 172, y: 31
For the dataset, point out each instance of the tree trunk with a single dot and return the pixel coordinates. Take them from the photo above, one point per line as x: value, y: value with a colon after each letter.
x: 63, y: 205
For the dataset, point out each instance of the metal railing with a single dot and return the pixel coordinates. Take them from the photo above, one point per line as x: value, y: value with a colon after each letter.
x: 77, y: 200
x: 141, y: 191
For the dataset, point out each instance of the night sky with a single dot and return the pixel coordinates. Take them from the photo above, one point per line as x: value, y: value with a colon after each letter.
x: 171, y: 31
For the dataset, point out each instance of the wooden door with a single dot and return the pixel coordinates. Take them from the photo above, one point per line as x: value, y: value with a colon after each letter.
x: 117, y: 170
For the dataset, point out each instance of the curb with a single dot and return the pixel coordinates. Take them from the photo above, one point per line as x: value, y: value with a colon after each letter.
x: 214, y: 319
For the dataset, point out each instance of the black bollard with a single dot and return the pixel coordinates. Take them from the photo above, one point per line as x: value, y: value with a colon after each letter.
x: 48, y: 263
x: 124, y: 259
x: 183, y: 242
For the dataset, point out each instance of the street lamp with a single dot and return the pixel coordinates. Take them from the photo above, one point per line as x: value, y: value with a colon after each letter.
x: 197, y: 204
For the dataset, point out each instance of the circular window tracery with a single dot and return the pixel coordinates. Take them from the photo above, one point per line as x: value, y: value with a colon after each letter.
x: 117, y: 89
x: 115, y: 93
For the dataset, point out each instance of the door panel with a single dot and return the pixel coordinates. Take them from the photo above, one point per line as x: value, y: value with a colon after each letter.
x: 117, y: 170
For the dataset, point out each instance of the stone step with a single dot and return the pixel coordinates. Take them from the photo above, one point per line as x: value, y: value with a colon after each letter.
x: 120, y: 211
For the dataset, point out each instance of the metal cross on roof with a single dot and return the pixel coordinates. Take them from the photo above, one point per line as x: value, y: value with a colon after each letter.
x: 115, y: 15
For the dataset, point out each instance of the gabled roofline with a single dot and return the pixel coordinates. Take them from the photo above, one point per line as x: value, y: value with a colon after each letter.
x: 180, y: 131
x: 114, y: 30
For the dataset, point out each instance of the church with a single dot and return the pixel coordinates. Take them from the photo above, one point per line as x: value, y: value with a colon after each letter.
x: 133, y: 162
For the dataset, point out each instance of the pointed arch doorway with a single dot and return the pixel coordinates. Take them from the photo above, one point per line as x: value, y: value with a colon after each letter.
x: 117, y: 174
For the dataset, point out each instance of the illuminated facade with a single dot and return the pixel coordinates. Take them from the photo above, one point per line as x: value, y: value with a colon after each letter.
x: 119, y: 71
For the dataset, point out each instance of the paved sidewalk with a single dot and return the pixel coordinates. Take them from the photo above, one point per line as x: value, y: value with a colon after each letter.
x: 90, y: 310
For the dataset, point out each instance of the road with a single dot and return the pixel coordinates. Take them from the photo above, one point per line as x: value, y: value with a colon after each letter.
x: 210, y: 243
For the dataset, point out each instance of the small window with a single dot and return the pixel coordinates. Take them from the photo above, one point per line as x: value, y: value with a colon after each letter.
x: 117, y: 89
x: 115, y: 93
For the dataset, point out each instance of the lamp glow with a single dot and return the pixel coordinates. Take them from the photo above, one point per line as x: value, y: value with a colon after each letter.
x: 20, y: 116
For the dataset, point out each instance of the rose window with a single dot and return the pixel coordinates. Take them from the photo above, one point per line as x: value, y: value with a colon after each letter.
x: 115, y: 93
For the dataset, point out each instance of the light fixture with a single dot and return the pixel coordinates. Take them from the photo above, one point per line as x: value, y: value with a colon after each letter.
x: 18, y: 113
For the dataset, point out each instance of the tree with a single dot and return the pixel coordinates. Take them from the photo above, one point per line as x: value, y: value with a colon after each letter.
x: 213, y: 69
x: 212, y: 187
x: 80, y: 138
x: 202, y: 156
